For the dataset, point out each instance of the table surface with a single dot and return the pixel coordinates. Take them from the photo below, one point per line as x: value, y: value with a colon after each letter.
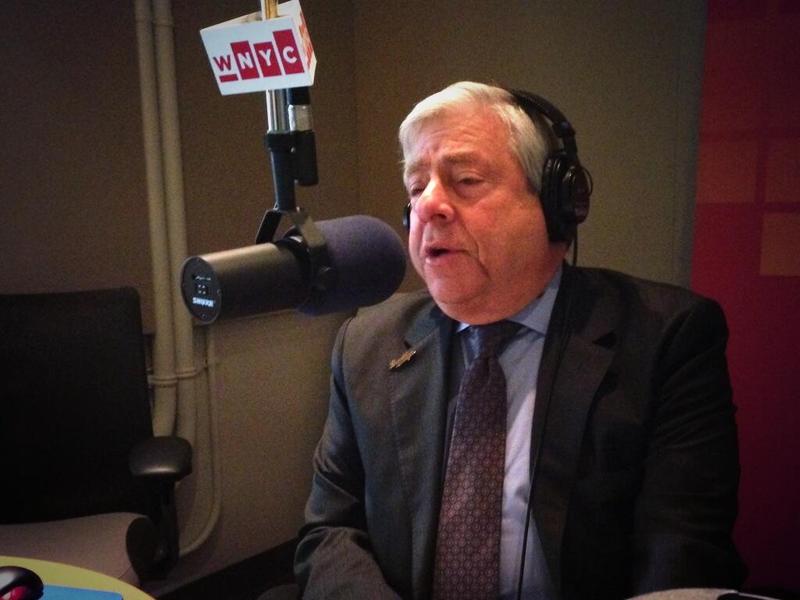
x: 53, y: 573
x: 684, y: 594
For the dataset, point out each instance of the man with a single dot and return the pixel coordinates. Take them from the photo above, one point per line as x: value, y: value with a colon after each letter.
x: 617, y: 399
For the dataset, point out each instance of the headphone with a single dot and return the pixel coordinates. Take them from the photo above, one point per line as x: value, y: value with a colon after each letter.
x: 566, y: 184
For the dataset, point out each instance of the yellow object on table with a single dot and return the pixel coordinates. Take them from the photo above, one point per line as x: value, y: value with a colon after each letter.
x: 53, y: 573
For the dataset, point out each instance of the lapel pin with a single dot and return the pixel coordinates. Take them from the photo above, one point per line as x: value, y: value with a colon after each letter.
x: 405, y: 357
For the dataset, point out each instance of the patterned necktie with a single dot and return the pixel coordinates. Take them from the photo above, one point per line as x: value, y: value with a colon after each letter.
x: 468, y: 544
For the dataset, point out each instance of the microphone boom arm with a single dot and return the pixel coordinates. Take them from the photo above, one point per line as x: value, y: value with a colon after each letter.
x: 293, y: 158
x: 293, y: 154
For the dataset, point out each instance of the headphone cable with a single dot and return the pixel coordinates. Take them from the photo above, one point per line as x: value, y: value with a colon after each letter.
x: 525, y: 540
x: 564, y: 330
x: 575, y: 249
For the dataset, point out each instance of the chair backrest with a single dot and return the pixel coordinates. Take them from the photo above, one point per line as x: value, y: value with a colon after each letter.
x: 73, y: 402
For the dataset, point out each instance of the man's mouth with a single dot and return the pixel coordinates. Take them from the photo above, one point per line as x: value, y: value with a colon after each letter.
x: 438, y: 251
x: 435, y: 250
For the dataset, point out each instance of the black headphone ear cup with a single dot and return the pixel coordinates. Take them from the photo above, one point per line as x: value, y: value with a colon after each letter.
x: 551, y: 202
x: 565, y: 196
x: 407, y: 217
x: 566, y: 208
x: 544, y: 196
x: 576, y: 192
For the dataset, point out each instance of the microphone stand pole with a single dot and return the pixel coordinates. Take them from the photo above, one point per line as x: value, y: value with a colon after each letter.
x: 292, y: 150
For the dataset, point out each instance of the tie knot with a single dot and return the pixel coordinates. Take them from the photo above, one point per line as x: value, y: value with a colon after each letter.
x: 488, y: 338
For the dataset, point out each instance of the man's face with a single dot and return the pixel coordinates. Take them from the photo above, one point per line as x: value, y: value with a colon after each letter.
x: 478, y: 236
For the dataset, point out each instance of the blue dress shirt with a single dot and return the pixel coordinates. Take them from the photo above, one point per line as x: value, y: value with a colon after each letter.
x: 520, y: 361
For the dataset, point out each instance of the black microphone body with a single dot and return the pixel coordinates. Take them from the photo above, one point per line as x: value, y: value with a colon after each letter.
x: 366, y: 264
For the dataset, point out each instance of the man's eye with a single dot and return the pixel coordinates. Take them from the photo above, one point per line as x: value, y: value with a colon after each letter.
x: 470, y: 184
x: 415, y: 190
x: 468, y: 178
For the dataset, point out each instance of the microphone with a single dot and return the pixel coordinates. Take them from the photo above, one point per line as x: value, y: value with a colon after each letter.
x: 365, y: 264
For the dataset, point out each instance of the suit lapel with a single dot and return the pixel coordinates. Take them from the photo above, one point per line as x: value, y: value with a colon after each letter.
x: 418, y: 384
x: 573, y: 366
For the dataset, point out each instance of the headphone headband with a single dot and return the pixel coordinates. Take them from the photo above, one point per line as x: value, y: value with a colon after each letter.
x: 566, y: 185
x: 532, y: 104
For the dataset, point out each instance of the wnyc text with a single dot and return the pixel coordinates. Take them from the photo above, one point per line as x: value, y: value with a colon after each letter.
x: 260, y: 59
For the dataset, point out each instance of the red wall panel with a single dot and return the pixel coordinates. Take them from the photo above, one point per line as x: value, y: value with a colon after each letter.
x: 747, y: 255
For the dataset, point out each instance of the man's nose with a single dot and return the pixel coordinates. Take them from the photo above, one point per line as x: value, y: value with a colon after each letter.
x: 434, y: 203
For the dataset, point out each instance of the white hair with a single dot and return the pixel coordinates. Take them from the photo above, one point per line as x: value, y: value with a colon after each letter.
x: 530, y: 137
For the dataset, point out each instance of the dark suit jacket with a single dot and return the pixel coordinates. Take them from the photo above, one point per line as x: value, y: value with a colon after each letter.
x: 633, y: 435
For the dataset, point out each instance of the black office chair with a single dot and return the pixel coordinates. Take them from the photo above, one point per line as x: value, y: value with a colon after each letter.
x: 82, y: 479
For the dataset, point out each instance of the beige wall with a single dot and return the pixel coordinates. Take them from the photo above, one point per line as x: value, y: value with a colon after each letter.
x: 626, y: 73
x: 72, y: 172
x: 72, y: 192
x: 268, y: 395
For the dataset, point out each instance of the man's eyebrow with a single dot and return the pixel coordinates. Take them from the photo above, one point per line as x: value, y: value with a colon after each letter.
x: 453, y: 158
x: 410, y: 168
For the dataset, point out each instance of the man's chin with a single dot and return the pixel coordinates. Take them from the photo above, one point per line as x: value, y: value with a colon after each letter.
x: 458, y: 303
x: 449, y: 293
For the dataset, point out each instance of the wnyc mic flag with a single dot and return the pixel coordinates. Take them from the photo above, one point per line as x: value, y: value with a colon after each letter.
x: 250, y: 54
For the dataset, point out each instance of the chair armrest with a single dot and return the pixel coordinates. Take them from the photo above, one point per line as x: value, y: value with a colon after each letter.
x: 162, y: 461
x: 163, y: 458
